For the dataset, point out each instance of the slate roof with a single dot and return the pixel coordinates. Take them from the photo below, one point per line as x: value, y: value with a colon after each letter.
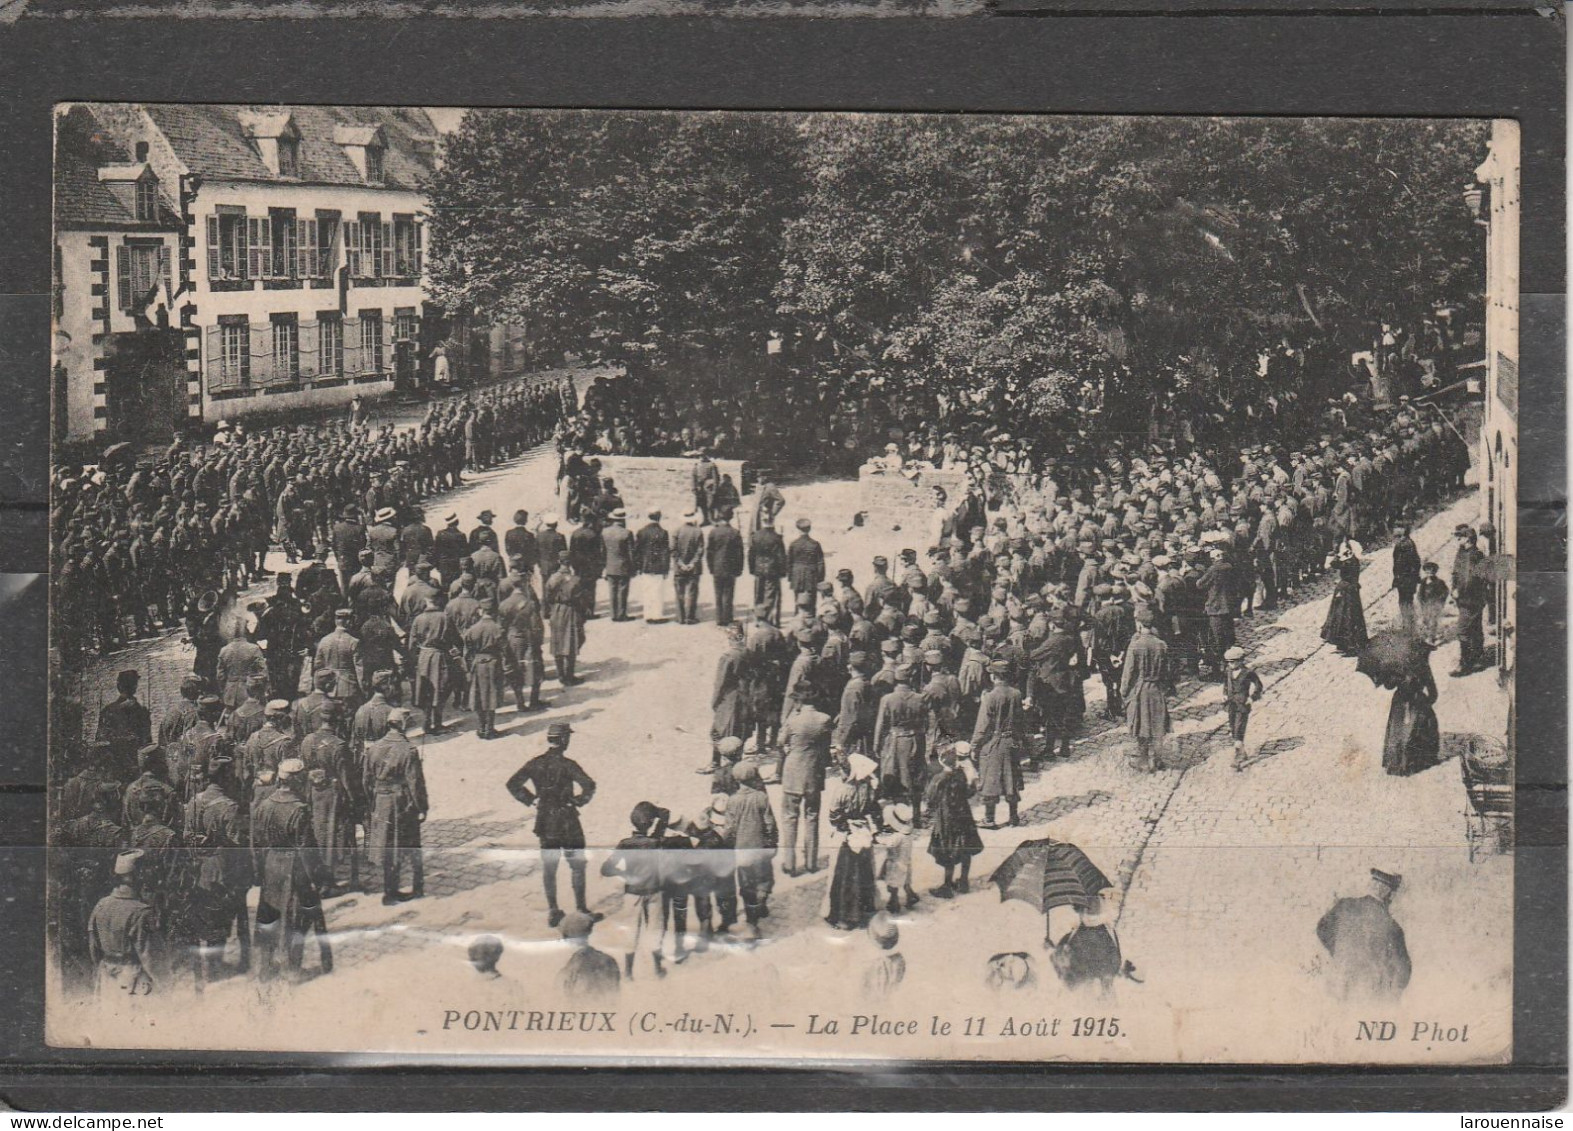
x: 213, y: 141
x: 81, y: 199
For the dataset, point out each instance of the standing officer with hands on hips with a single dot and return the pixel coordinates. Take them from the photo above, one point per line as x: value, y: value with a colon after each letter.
x: 561, y: 789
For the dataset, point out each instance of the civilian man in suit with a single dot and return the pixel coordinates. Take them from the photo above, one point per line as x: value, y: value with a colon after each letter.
x: 805, y: 566
x: 724, y: 556
x: 688, y: 563
x: 519, y: 542
x: 1406, y: 575
x: 653, y: 555
x: 449, y: 546
x: 618, y: 543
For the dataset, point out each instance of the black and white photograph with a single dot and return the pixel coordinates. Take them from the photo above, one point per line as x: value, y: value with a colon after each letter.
x: 622, y: 586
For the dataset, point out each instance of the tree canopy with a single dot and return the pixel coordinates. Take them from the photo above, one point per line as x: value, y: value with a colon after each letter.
x: 1000, y: 268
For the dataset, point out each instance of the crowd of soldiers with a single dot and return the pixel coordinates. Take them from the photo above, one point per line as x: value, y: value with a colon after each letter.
x: 140, y: 547
x: 929, y: 683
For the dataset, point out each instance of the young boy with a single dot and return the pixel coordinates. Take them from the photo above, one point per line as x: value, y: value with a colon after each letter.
x: 1431, y: 596
x: 1241, y: 687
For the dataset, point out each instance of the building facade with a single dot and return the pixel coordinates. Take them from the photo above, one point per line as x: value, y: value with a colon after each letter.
x: 1499, y: 430
x: 119, y: 354
x: 298, y: 281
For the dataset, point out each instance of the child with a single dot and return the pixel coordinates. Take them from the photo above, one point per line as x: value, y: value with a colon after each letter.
x: 893, y: 857
x: 1241, y: 685
x: 1431, y: 595
x: 637, y: 861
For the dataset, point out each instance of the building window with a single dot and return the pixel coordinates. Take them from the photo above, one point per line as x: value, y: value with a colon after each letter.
x: 289, y: 157
x: 330, y: 345
x: 374, y: 165
x: 371, y: 246
x: 234, y: 357
x: 406, y: 326
x: 228, y: 247
x: 326, y: 243
x: 141, y: 268
x: 285, y: 240
x: 406, y: 247
x: 371, y: 341
x: 286, y: 347
x: 147, y: 199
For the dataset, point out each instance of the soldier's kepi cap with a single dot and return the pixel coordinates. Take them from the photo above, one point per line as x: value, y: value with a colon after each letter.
x: 291, y: 766
x: 126, y: 862
x: 190, y: 679
x: 1390, y: 879
x: 1235, y: 653
x: 399, y: 717
x: 278, y: 706
x: 804, y: 524
x: 210, y: 701
x: 559, y: 730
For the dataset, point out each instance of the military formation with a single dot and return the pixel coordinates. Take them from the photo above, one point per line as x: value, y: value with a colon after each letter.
x: 139, y: 548
x: 288, y: 764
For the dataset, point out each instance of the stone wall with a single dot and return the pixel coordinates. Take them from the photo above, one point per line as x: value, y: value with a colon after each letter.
x: 662, y: 482
x: 892, y: 502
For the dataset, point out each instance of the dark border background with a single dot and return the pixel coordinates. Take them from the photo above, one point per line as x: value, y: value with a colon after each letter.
x: 1504, y: 62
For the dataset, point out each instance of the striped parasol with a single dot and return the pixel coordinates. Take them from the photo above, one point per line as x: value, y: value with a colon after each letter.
x: 1047, y: 873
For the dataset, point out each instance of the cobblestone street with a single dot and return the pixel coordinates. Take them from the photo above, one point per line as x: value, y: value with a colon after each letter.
x: 1222, y: 873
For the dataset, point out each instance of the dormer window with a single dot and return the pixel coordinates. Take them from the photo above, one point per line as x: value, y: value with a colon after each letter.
x: 277, y: 139
x: 135, y: 187
x: 365, y: 147
x: 147, y: 198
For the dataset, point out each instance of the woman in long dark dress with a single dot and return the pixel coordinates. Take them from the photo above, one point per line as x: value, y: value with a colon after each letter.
x: 1344, y: 627
x: 855, y: 814
x: 1413, y: 742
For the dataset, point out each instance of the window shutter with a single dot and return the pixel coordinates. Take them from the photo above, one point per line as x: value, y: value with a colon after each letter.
x: 215, y: 259
x: 389, y: 268
x: 244, y: 251
x: 163, y: 269
x: 352, y: 247
x: 123, y: 275
x: 419, y: 237
x: 265, y: 252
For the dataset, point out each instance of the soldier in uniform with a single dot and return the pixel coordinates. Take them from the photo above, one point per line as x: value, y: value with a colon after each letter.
x: 560, y: 789
x: 89, y: 843
x: 900, y: 735
x: 339, y: 653
x: 805, y: 560
x: 483, y: 649
x: 560, y: 601
x: 289, y: 869
x: 304, y: 713
x: 201, y: 743
x: 271, y: 746
x: 767, y: 562
x: 524, y: 634
x: 183, y: 716
x: 329, y: 768
x: 395, y: 789
x: 238, y: 662
x: 216, y: 836
x: 122, y: 935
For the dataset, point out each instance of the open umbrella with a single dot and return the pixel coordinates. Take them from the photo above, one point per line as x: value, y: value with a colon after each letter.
x: 1047, y: 873
x: 1392, y: 655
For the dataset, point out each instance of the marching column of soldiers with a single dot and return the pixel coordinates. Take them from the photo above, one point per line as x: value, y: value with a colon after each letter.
x: 139, y: 548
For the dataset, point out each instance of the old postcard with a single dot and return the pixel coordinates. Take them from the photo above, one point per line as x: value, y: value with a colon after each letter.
x: 607, y: 586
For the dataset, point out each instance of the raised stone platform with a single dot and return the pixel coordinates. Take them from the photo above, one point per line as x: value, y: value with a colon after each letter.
x: 662, y: 482
x: 892, y: 502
